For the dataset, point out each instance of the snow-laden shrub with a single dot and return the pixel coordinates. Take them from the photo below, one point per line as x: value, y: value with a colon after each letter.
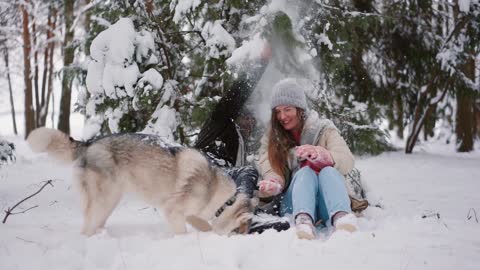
x: 351, y: 118
x: 127, y: 92
x: 7, y: 152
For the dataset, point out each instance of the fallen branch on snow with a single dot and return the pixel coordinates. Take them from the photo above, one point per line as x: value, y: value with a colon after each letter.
x: 9, y: 210
x: 469, y: 216
x: 437, y: 215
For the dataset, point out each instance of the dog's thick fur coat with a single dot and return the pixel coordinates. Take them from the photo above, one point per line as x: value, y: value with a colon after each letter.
x: 178, y: 180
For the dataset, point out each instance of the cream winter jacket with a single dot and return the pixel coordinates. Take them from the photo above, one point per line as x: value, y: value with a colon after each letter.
x: 316, y: 131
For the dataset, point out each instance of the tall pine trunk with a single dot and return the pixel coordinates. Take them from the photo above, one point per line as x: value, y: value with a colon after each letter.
x: 35, y: 72
x: 465, y: 118
x: 9, y: 80
x: 29, y: 113
x: 47, y: 69
x: 68, y: 55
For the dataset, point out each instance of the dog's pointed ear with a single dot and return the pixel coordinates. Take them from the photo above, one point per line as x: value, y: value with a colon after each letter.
x: 198, y: 223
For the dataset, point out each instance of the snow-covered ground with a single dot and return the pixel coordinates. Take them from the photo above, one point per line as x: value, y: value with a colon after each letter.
x: 425, y: 222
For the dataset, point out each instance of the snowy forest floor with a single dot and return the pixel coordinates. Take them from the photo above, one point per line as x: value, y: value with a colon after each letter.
x: 429, y: 220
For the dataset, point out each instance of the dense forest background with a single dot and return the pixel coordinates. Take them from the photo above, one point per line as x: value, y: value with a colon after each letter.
x: 377, y: 68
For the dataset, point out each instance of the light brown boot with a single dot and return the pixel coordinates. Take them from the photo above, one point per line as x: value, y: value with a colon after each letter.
x: 304, y: 226
x: 345, y: 221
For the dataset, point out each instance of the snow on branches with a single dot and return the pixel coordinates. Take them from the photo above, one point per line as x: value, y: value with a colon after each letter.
x: 122, y: 97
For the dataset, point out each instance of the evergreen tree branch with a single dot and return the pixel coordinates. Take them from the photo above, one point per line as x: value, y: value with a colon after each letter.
x: 352, y: 13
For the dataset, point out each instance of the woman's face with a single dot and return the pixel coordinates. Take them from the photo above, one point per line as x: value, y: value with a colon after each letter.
x: 288, y: 117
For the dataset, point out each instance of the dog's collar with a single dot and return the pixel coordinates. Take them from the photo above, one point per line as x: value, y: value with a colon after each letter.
x: 229, y: 202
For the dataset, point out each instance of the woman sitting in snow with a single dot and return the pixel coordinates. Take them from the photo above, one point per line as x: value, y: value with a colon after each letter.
x: 304, y: 159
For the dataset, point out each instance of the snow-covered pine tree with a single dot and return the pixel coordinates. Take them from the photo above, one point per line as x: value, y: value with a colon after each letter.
x: 212, y: 30
x: 403, y: 61
x: 339, y: 41
x: 127, y: 87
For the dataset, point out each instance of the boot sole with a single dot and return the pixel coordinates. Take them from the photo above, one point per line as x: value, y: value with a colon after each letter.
x: 346, y: 227
x: 305, y: 235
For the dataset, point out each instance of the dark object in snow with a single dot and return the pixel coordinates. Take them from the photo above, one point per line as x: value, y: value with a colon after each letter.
x: 7, y: 152
x: 262, y: 222
x: 356, y: 191
x: 354, y: 184
x: 469, y: 216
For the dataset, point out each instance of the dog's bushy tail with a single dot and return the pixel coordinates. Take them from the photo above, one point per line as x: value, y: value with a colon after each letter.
x: 56, y: 143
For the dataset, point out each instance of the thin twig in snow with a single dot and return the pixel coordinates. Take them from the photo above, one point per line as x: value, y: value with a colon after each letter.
x: 27, y: 241
x: 22, y: 212
x: 474, y: 214
x: 437, y: 215
x: 121, y: 256
x: 9, y: 210
x: 200, y: 248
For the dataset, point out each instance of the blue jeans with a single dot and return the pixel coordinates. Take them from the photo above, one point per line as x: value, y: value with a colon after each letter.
x: 321, y: 196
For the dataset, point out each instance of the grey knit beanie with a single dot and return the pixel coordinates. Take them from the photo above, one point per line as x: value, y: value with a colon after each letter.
x: 288, y: 92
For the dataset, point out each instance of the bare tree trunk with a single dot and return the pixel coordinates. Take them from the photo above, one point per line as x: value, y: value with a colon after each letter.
x: 88, y: 21
x: 465, y: 118
x: 68, y: 55
x: 44, y: 99
x: 7, y: 65
x: 52, y: 117
x: 398, y: 108
x: 476, y: 109
x: 50, y: 72
x: 429, y: 126
x: 430, y: 101
x: 35, y: 73
x: 29, y: 113
x: 464, y: 121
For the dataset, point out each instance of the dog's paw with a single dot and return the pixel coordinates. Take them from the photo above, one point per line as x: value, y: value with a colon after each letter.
x: 199, y: 224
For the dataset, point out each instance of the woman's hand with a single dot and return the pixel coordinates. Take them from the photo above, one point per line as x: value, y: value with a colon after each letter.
x: 270, y: 187
x: 316, y: 157
x: 306, y: 151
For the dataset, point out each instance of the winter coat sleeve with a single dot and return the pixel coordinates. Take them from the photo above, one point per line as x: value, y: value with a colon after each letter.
x: 338, y: 148
x: 264, y: 166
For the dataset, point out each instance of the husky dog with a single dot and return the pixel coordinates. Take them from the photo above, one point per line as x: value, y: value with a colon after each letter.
x: 178, y: 180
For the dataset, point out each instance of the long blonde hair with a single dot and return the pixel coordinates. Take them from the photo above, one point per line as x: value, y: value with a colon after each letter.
x: 280, y: 141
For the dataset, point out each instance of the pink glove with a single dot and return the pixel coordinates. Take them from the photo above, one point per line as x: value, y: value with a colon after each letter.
x: 270, y: 186
x: 316, y: 157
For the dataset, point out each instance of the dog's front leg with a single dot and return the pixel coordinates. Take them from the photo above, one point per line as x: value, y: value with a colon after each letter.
x: 176, y: 221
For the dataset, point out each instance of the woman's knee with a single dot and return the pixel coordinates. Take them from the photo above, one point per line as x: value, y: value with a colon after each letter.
x: 305, y: 175
x: 329, y: 171
x: 330, y: 174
